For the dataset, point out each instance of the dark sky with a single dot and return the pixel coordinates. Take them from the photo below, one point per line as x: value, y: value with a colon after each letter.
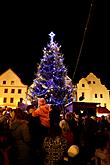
x: 24, y: 34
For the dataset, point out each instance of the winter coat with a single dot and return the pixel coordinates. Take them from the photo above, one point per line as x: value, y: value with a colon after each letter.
x: 21, y: 146
x: 66, y: 132
x: 54, y: 150
x: 43, y: 113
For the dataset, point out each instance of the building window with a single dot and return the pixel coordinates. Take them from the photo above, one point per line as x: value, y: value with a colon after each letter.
x: 4, y: 82
x: 19, y: 90
x: 93, y: 82
x: 95, y: 95
x: 11, y: 100
x: 5, y: 90
x: 12, y: 82
x: 89, y: 82
x: 101, y: 95
x: 12, y: 90
x: 4, y: 100
x: 83, y: 85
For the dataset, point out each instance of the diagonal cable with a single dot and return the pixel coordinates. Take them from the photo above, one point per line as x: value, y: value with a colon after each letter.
x: 85, y: 30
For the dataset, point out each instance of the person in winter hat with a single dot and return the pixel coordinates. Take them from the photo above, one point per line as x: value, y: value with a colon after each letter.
x: 42, y: 112
x: 73, y: 151
x: 66, y: 132
x: 20, y: 152
x: 41, y: 101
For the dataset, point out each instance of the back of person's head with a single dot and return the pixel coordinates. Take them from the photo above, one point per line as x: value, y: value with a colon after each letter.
x: 30, y: 108
x: 68, y: 116
x: 101, y: 140
x: 55, y: 130
x: 19, y: 114
x: 73, y: 151
x: 1, y: 158
x: 64, y: 125
x: 54, y: 114
x: 41, y: 101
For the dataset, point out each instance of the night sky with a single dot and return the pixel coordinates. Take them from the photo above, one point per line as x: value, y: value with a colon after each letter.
x: 24, y: 34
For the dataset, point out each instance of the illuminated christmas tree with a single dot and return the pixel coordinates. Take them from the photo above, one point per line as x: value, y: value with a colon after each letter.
x: 51, y: 81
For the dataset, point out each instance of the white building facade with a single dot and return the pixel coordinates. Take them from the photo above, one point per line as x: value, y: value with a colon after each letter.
x: 91, y: 90
x: 12, y: 90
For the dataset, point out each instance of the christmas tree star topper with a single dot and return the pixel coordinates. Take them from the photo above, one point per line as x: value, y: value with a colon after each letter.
x: 51, y: 36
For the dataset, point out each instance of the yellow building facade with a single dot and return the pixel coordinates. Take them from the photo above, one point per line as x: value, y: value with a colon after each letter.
x: 92, y: 90
x: 12, y: 90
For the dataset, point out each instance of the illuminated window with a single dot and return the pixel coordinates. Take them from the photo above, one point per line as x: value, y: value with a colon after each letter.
x: 11, y: 100
x: 19, y: 90
x: 5, y: 90
x: 12, y: 90
x: 4, y: 82
x: 4, y: 100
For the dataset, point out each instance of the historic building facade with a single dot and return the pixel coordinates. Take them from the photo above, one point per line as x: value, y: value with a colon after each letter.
x: 12, y: 90
x: 90, y: 89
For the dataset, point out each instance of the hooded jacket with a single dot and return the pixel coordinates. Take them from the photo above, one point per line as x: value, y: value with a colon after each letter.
x: 43, y: 111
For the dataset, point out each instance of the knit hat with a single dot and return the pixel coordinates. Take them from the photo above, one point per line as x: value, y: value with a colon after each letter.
x: 41, y: 101
x: 73, y: 151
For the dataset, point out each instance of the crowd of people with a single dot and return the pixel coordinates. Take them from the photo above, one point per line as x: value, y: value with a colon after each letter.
x: 41, y: 136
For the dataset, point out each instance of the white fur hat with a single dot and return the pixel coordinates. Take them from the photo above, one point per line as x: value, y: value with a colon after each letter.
x: 73, y: 151
x: 64, y: 124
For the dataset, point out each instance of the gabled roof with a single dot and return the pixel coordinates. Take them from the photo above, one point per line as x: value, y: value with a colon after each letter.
x: 10, y: 74
x: 9, y: 71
